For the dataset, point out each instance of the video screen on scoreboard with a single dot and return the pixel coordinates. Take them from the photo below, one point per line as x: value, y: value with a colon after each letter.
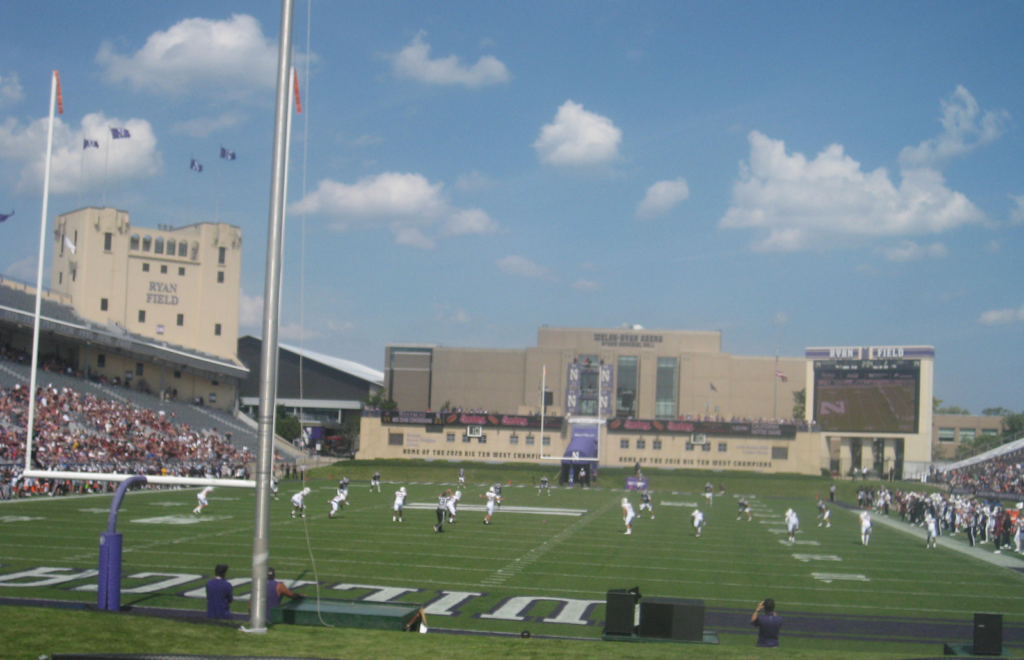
x: 863, y: 396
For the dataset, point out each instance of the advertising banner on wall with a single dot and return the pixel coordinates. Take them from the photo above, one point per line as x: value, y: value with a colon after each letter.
x: 732, y: 429
x: 470, y: 419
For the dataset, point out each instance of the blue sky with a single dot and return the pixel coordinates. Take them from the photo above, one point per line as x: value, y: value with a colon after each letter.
x: 477, y: 170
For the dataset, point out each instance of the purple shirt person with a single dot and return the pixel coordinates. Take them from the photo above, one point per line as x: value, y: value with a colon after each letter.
x: 768, y: 624
x: 219, y: 594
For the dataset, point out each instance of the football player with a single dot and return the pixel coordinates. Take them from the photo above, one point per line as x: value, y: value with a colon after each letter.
x: 645, y: 502
x: 744, y: 509
x: 491, y: 498
x: 202, y: 499
x: 698, y: 521
x: 792, y: 524
x: 299, y: 502
x: 453, y: 503
x: 399, y: 504
x: 375, y: 481
x: 340, y: 499
x: 865, y: 527
x: 627, y: 514
x: 823, y: 514
x: 544, y: 485
x: 462, y: 477
x: 709, y: 493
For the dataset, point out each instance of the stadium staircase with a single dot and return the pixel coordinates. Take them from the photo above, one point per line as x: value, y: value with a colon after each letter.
x: 243, y: 428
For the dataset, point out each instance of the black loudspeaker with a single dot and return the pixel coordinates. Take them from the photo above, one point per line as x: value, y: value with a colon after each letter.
x: 619, y: 615
x: 672, y: 618
x: 988, y: 634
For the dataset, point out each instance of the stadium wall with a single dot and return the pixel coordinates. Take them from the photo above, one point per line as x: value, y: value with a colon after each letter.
x: 802, y: 453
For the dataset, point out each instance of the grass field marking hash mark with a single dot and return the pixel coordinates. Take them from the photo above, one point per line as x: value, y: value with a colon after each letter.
x: 514, y: 567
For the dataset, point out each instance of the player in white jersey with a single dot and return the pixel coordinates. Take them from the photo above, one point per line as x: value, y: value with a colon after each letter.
x: 201, y: 497
x: 792, y: 524
x: 375, y: 481
x: 698, y: 521
x: 709, y: 493
x: 462, y: 477
x: 340, y: 499
x: 544, y: 485
x: 453, y: 503
x: 628, y: 514
x: 491, y: 498
x: 399, y: 504
x: 273, y: 486
x: 645, y: 502
x: 865, y: 527
x: 930, y: 525
x: 299, y: 502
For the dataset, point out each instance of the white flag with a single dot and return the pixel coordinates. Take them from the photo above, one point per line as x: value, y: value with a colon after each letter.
x: 68, y: 244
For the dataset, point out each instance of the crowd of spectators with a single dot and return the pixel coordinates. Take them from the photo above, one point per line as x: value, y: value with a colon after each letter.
x: 79, y: 432
x: 999, y: 475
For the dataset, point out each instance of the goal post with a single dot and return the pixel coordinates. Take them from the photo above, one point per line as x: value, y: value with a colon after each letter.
x: 159, y: 480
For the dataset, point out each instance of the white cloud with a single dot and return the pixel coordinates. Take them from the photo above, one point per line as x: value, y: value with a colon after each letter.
x: 26, y: 270
x: 295, y: 332
x: 132, y: 158
x: 662, y: 197
x: 522, y: 267
x: 250, y: 310
x: 578, y: 137
x: 470, y: 221
x: 408, y: 204
x: 1001, y: 316
x: 964, y: 128
x: 800, y: 204
x: 414, y: 62
x: 413, y: 237
x: 586, y: 286
x: 448, y: 314
x: 201, y: 127
x: 1017, y: 212
x: 10, y: 90
x: 911, y: 251
x: 230, y: 59
x: 473, y: 181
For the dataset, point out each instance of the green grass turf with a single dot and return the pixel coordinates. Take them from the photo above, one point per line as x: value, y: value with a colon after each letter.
x: 29, y: 632
x: 733, y: 565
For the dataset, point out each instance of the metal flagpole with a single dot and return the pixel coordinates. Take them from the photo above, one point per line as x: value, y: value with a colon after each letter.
x: 268, y: 350
x: 106, y: 162
x: 543, y: 408
x: 775, y: 376
x: 30, y: 428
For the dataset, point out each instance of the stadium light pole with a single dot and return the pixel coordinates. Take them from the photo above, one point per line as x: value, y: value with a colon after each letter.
x: 269, y: 348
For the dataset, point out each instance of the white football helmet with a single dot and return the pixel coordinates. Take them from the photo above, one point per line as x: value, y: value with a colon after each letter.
x: 625, y: 500
x: 458, y: 494
x: 402, y: 489
x: 491, y: 489
x: 305, y: 491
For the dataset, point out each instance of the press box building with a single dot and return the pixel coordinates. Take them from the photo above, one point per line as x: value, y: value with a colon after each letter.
x: 178, y: 287
x: 664, y: 398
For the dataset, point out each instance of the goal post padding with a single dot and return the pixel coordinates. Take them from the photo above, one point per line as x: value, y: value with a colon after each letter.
x: 108, y: 593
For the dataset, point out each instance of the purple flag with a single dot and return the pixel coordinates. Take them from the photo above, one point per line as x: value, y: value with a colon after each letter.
x: 86, y: 143
x: 196, y: 166
x: 4, y: 216
x: 118, y: 133
x: 227, y: 155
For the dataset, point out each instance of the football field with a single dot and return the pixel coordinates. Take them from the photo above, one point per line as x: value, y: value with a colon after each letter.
x: 544, y: 564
